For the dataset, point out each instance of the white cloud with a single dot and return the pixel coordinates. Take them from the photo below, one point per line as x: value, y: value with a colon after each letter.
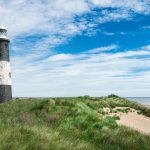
x: 80, y: 74
x: 60, y: 57
x: 32, y: 17
x: 101, y: 49
x: 58, y: 17
x: 138, y: 6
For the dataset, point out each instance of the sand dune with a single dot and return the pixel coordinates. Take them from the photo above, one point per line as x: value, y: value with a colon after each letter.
x: 135, y: 121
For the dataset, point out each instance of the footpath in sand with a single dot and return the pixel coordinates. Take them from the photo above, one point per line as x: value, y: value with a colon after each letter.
x: 131, y: 119
x: 135, y: 121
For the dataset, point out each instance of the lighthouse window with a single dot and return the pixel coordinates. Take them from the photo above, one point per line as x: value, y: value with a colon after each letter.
x: 6, y: 45
x: 9, y: 74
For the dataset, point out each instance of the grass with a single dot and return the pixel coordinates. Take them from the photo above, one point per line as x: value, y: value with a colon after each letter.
x: 68, y: 123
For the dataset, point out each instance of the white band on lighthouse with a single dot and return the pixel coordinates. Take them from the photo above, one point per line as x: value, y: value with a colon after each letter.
x: 5, y: 74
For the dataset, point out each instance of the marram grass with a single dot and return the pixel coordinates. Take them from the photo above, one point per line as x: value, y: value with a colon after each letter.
x: 68, y: 124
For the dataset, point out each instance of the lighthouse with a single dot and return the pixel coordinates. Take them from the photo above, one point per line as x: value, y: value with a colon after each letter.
x: 5, y: 73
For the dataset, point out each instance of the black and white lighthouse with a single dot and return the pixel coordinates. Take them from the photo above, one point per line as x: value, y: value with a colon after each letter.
x: 5, y: 74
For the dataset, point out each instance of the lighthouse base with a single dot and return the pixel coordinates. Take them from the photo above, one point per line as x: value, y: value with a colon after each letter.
x: 5, y: 93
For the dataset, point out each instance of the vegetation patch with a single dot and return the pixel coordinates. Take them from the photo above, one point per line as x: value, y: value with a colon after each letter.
x: 69, y: 123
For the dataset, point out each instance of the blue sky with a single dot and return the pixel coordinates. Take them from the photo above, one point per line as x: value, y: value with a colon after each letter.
x: 78, y: 47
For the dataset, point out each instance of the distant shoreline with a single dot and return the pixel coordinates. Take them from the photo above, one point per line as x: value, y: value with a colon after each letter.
x: 142, y: 100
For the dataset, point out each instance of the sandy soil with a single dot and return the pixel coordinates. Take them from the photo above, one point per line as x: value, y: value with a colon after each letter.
x: 135, y: 121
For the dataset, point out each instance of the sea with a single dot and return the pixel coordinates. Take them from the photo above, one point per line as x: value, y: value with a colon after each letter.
x: 142, y: 100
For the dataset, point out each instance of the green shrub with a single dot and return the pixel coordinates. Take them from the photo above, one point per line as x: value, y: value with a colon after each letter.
x: 113, y: 96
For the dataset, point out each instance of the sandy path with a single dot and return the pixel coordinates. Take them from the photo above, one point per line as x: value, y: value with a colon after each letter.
x: 135, y: 121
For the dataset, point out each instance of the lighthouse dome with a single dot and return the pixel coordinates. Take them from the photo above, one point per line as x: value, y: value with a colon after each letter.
x: 2, y: 27
x: 3, y: 33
